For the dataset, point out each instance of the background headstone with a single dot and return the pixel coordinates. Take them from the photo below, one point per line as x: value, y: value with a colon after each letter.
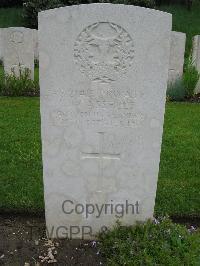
x: 196, y: 58
x: 18, y: 50
x: 35, y: 39
x: 177, y: 52
x: 103, y: 78
x: 1, y: 44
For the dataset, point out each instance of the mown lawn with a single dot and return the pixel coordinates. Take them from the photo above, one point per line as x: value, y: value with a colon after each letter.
x: 21, y: 167
x: 179, y: 178
x: 20, y: 154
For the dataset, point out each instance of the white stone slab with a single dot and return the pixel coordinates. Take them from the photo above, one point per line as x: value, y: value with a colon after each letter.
x: 1, y: 44
x: 177, y: 53
x: 36, y: 49
x: 196, y: 58
x: 103, y: 77
x: 18, y: 50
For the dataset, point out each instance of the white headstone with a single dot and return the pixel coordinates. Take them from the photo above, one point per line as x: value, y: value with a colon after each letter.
x: 18, y: 50
x: 1, y: 44
x: 196, y: 58
x: 177, y: 53
x: 103, y: 77
x: 35, y: 39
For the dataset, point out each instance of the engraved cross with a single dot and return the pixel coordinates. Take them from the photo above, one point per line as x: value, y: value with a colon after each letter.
x: 101, y: 155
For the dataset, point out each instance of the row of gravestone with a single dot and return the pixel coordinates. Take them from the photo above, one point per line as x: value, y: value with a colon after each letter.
x: 103, y: 80
x: 20, y: 47
x: 177, y: 57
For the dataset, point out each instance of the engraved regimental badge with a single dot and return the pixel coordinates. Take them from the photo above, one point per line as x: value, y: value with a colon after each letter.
x: 104, y: 51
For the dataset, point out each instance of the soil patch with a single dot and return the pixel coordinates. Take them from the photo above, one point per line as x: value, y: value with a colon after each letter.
x: 195, y: 98
x: 188, y: 221
x: 23, y: 243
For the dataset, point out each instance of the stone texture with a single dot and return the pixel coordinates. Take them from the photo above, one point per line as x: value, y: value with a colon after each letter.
x: 1, y: 44
x: 18, y: 50
x: 103, y: 77
x: 196, y: 58
x: 177, y: 52
x: 35, y: 40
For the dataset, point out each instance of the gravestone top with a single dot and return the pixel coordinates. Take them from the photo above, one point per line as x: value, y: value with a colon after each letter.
x: 103, y: 78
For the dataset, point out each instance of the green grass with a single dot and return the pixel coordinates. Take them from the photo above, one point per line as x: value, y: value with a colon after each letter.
x: 36, y: 74
x: 20, y: 154
x: 149, y: 244
x: 179, y: 178
x: 21, y: 167
x: 11, y: 17
x: 185, y: 21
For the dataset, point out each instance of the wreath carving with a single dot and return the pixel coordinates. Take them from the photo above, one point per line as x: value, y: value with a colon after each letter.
x: 104, y: 51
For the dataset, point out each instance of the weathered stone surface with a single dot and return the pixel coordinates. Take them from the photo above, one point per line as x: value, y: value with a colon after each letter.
x: 1, y: 44
x: 35, y: 40
x: 177, y: 52
x: 18, y: 50
x: 196, y: 58
x: 103, y: 77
